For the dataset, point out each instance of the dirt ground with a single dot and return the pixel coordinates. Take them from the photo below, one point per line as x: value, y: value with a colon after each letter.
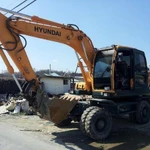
x: 125, y: 135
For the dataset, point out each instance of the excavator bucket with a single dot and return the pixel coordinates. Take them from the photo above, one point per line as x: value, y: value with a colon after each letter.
x: 55, y: 109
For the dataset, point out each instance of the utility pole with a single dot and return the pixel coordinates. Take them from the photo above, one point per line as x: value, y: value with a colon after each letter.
x: 49, y: 69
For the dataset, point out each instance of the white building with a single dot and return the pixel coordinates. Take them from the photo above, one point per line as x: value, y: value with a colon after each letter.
x: 55, y: 84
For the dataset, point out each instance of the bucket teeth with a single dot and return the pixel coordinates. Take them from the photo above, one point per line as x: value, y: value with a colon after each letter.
x: 70, y: 97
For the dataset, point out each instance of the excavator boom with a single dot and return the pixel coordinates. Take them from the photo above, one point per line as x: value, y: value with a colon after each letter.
x: 12, y: 30
x: 14, y: 27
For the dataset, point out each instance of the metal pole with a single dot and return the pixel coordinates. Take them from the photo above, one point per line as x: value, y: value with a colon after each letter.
x: 50, y: 69
x: 77, y: 55
x: 84, y: 50
x: 15, y: 13
x: 18, y: 84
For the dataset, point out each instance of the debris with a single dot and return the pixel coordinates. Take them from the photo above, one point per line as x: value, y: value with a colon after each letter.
x: 3, y: 110
x: 32, y: 130
x: 17, y: 108
x: 10, y: 105
x: 16, y: 105
x: 25, y: 105
x: 31, y: 111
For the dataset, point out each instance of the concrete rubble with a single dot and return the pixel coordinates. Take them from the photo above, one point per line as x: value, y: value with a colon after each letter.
x: 14, y: 106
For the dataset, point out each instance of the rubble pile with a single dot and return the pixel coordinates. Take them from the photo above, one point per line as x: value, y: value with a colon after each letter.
x: 16, y: 106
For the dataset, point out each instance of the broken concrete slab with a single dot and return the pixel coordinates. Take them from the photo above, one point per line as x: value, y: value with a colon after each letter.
x: 3, y: 110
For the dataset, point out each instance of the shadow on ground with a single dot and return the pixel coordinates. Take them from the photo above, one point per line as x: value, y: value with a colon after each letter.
x: 124, y: 136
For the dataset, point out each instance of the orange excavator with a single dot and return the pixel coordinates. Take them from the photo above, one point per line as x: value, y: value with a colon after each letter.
x: 116, y: 77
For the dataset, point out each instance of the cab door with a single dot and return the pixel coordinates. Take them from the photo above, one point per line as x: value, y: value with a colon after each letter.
x: 140, y: 71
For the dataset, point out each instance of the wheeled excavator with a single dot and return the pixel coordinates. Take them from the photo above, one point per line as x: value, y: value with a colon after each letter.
x: 116, y: 77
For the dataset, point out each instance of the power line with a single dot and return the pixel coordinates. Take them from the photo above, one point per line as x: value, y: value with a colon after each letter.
x: 17, y: 6
x: 26, y: 5
x: 12, y: 3
x: 20, y: 4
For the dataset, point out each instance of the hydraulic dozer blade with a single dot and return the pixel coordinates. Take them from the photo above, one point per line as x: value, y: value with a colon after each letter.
x: 55, y: 109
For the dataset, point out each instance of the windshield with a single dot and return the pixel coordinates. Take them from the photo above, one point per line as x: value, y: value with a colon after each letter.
x: 103, y: 64
x: 102, y: 69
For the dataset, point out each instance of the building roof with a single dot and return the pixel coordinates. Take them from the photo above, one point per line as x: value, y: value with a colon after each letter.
x: 54, y: 75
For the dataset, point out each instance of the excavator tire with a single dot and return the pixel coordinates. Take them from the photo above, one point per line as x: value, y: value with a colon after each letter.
x: 98, y: 124
x: 143, y: 112
x: 83, y: 118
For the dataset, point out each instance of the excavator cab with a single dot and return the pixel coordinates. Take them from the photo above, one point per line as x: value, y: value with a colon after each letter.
x: 119, y: 70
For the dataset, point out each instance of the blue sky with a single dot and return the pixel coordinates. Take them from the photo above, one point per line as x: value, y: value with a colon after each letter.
x: 106, y: 22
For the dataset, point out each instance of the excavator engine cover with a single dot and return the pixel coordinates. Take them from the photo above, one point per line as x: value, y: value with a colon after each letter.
x: 55, y: 109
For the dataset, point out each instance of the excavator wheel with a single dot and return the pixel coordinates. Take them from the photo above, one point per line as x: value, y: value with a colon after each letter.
x: 98, y: 124
x: 83, y: 118
x: 143, y: 112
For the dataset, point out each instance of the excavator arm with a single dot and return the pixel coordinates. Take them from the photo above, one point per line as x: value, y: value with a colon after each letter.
x: 12, y: 30
x: 14, y: 27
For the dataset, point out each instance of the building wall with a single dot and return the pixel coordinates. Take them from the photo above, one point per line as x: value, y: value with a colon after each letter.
x: 55, y: 85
